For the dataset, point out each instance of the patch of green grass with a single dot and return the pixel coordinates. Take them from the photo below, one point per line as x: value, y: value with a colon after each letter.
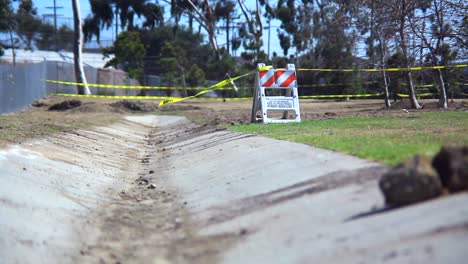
x: 385, y: 139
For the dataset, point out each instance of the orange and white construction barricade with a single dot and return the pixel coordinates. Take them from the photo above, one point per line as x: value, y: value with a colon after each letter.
x: 276, y: 91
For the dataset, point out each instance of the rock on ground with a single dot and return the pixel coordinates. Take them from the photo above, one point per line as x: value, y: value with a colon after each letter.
x: 410, y: 182
x: 452, y: 165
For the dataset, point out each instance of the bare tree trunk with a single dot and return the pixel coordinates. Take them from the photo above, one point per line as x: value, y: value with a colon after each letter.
x: 207, y: 22
x: 228, y: 21
x: 404, y: 49
x: 412, y: 94
x: 13, y: 55
x: 439, y: 81
x: 77, y: 48
x: 408, y: 75
x: 384, y: 75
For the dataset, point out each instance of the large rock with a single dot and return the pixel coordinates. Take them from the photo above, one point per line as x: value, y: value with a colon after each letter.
x: 452, y: 165
x: 410, y: 182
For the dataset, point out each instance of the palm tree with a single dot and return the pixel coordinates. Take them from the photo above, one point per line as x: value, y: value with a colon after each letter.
x: 107, y: 12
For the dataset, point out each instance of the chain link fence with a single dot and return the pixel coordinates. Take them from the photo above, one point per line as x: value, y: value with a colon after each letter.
x: 20, y: 85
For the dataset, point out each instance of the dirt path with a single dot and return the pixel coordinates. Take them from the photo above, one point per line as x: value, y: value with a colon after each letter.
x: 151, y: 223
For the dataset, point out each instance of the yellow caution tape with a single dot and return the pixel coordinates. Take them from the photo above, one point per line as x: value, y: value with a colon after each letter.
x: 389, y: 69
x: 216, y: 86
x: 220, y: 86
x: 338, y: 96
x: 266, y: 68
x: 139, y: 97
x: 140, y: 87
x: 177, y: 99
x: 334, y: 84
x: 417, y: 95
x: 420, y: 86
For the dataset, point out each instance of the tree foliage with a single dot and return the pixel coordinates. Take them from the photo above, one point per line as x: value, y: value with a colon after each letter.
x: 312, y: 34
x: 106, y: 12
x: 128, y: 52
x: 28, y: 25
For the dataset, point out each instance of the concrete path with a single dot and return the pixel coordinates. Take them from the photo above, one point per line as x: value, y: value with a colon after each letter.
x: 294, y: 203
x: 50, y: 189
x: 220, y: 197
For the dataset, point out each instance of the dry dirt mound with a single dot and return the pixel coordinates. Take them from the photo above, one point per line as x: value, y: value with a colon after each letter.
x: 65, y: 105
x: 137, y: 106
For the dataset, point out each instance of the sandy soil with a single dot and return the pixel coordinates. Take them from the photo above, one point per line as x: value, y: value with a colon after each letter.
x: 38, y: 121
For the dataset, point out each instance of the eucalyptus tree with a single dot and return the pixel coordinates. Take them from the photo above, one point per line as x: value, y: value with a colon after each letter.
x: 251, y: 32
x: 439, y: 26
x: 202, y: 11
x: 180, y: 7
x: 379, y: 27
x: 77, y: 49
x: 400, y: 12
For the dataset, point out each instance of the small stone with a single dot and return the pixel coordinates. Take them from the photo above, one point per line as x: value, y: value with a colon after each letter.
x: 143, y: 181
x: 151, y: 171
x: 410, y: 182
x: 452, y: 165
x: 151, y: 186
x: 178, y: 222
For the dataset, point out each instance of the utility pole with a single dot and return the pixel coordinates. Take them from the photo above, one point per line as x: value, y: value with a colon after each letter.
x: 55, y: 7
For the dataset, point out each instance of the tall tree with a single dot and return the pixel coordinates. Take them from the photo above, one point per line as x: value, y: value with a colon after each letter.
x: 48, y: 39
x: 202, y: 11
x: 401, y: 11
x: 378, y: 25
x: 82, y: 86
x: 439, y: 25
x: 334, y: 45
x: 252, y: 32
x: 8, y: 24
x: 107, y: 12
x: 225, y: 10
x: 28, y: 24
x: 296, y: 24
x: 180, y: 7
x: 129, y: 52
